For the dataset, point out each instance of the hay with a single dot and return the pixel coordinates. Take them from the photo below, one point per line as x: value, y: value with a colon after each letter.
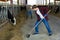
x: 10, y: 32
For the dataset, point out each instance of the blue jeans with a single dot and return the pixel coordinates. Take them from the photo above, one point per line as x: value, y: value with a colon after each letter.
x: 46, y: 24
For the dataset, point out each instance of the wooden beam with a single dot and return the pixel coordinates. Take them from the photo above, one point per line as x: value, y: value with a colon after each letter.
x: 3, y: 0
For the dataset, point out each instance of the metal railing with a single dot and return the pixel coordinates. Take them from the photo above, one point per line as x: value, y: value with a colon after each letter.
x: 3, y: 13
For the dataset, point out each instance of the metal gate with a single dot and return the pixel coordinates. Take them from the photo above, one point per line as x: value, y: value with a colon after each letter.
x: 3, y: 14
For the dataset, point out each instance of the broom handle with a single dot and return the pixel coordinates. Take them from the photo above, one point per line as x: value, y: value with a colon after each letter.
x: 40, y: 21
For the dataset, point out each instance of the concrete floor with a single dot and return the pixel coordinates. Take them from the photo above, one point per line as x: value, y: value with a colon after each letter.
x: 23, y: 27
x: 43, y: 34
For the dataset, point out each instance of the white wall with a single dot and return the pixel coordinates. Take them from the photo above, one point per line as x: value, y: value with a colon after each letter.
x: 38, y: 2
x: 57, y: 2
x: 23, y: 2
x: 20, y: 2
x: 31, y: 2
x: 15, y: 2
x: 51, y: 0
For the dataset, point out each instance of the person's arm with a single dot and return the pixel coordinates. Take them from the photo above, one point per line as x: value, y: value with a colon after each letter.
x: 38, y: 12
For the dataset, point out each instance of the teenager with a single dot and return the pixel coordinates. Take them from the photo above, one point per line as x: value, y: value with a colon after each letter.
x: 40, y: 16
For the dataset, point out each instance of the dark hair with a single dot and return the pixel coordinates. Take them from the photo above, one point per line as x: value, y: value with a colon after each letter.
x: 34, y: 6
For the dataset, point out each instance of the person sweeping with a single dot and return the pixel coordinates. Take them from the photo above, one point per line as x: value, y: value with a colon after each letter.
x: 41, y: 17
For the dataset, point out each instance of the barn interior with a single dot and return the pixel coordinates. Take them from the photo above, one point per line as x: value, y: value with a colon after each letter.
x: 25, y: 21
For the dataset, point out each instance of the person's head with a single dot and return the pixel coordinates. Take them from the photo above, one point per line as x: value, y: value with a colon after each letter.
x: 34, y: 7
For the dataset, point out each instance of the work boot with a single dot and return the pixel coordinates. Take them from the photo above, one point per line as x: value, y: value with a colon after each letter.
x: 50, y: 34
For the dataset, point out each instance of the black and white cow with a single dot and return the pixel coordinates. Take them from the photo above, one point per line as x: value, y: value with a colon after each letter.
x: 11, y: 18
